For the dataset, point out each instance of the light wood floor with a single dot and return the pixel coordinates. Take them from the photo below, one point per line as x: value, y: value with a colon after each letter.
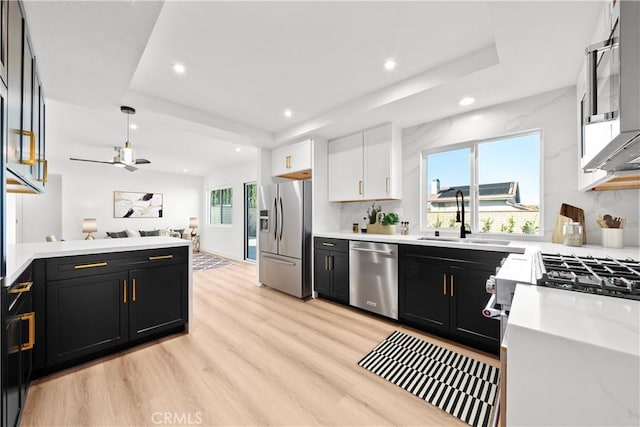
x: 254, y: 357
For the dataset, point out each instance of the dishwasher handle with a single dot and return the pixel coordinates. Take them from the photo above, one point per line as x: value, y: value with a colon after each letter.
x: 377, y: 251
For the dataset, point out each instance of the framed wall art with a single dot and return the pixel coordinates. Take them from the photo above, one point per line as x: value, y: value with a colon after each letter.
x: 128, y: 204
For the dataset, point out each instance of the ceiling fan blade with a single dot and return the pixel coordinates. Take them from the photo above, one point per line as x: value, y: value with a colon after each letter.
x: 91, y: 161
x: 142, y: 162
x: 130, y: 168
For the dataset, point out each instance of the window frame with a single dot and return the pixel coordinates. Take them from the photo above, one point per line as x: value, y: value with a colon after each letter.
x: 473, y: 221
x: 210, y: 206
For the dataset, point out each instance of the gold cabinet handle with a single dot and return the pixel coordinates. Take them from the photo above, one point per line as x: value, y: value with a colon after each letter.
x: 452, y: 285
x: 96, y: 264
x: 328, y: 244
x: 156, y: 258
x: 31, y: 318
x: 124, y: 289
x: 45, y: 170
x: 32, y: 146
x: 387, y: 184
x: 444, y: 284
x: 133, y: 296
x: 331, y: 263
x: 326, y: 262
x: 360, y: 187
x: 21, y: 287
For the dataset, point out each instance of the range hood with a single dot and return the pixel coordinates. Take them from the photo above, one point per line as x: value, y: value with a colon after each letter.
x: 611, y: 114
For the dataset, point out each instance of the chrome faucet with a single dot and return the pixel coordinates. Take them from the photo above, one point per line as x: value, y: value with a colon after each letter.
x: 459, y: 218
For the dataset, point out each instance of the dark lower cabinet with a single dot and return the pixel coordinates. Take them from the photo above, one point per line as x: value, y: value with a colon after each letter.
x: 85, y: 316
x: 442, y: 290
x: 18, y: 340
x: 91, y: 305
x: 158, y: 300
x: 331, y: 261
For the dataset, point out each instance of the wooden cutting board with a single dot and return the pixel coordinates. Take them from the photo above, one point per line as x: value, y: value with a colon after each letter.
x: 557, y: 236
x: 577, y: 215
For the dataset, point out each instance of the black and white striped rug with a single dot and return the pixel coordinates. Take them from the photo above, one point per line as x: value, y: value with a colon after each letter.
x: 205, y: 261
x: 464, y: 387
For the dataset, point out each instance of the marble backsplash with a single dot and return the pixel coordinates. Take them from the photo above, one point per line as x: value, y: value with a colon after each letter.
x: 555, y: 114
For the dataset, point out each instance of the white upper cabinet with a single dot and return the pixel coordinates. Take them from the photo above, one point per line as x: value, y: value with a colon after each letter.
x: 345, y: 168
x: 366, y: 165
x: 292, y: 161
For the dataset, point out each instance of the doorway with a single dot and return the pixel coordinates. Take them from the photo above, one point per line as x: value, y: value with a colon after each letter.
x: 250, y: 220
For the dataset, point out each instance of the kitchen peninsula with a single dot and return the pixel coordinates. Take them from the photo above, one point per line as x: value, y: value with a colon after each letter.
x: 93, y: 297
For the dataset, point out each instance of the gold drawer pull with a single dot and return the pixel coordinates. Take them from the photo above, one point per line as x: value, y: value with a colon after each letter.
x: 32, y: 146
x: 45, y: 170
x: 155, y: 258
x: 328, y: 244
x: 21, y: 287
x: 97, y: 264
x: 31, y: 318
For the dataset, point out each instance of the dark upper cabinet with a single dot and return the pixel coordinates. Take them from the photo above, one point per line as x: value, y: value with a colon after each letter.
x: 25, y: 154
x: 443, y: 291
x: 4, y: 39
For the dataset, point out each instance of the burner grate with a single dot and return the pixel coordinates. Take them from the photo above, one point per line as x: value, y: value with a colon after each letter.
x: 603, y: 276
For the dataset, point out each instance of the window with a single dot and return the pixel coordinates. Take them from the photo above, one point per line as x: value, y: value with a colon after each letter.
x: 220, y: 206
x: 499, y: 179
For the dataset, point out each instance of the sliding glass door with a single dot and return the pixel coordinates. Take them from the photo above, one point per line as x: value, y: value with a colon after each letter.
x: 250, y: 219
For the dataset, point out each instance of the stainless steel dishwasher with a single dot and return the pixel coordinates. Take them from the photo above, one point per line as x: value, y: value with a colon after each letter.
x: 373, y: 277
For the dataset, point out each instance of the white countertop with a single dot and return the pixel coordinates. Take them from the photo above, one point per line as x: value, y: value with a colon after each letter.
x: 19, y: 256
x: 518, y: 246
x: 576, y: 355
x: 613, y: 323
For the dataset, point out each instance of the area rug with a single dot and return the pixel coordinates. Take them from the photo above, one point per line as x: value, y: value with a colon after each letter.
x: 464, y: 387
x: 205, y: 261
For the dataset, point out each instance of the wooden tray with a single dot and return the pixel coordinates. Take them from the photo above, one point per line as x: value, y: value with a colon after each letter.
x: 381, y: 229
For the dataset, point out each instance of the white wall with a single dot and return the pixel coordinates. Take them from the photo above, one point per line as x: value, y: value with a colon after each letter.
x: 41, y: 213
x: 227, y: 240
x: 87, y: 192
x: 555, y: 113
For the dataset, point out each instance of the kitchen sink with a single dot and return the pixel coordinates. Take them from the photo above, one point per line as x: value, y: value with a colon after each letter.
x: 472, y: 241
x: 441, y: 239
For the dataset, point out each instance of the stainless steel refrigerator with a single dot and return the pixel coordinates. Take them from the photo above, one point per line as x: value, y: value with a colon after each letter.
x: 284, y: 240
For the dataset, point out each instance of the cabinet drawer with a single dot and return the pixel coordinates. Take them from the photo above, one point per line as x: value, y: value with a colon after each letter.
x: 338, y: 245
x: 90, y: 265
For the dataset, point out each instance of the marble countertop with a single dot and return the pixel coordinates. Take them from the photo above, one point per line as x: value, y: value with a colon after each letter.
x: 517, y: 246
x: 609, y: 322
x: 20, y: 256
x: 576, y: 355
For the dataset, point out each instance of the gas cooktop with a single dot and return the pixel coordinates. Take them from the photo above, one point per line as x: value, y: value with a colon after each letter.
x: 602, y: 276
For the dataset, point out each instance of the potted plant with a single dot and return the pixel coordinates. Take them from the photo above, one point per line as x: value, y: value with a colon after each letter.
x: 385, y: 223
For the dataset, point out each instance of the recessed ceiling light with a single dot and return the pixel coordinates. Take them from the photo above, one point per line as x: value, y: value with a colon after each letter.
x: 467, y: 101
x: 389, y: 64
x: 133, y: 126
x: 288, y: 113
x: 185, y: 170
x: 237, y: 149
x: 179, y: 68
x: 476, y: 117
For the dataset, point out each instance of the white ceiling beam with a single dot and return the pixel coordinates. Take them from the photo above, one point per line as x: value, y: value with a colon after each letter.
x: 217, y: 127
x: 473, y: 62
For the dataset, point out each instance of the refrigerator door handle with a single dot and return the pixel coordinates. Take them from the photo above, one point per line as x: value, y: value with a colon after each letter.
x: 281, y: 218
x: 275, y: 222
x: 279, y: 261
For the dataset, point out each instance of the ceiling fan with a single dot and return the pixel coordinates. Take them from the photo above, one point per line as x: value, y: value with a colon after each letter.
x: 124, y: 157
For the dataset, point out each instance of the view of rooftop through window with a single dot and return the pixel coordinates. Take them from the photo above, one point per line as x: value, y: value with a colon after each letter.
x: 508, y: 180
